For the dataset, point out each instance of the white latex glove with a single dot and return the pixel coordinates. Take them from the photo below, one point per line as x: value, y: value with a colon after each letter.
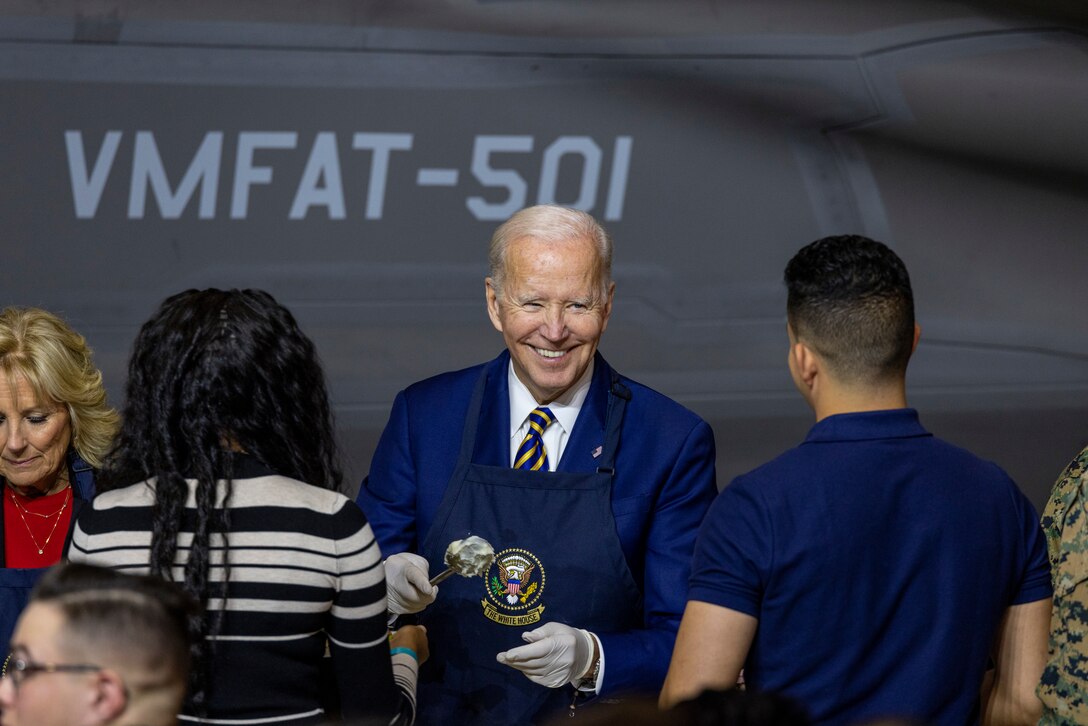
x: 407, y: 585
x: 556, y: 655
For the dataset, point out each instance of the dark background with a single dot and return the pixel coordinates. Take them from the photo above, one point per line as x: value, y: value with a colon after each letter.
x: 952, y: 131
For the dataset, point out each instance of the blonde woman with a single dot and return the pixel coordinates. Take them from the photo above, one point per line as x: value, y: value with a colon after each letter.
x: 55, y: 429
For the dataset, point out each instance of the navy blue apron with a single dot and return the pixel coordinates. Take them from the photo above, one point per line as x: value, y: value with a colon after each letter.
x: 558, y: 559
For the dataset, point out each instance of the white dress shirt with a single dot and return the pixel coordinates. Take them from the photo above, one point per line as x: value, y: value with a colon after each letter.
x: 565, y: 409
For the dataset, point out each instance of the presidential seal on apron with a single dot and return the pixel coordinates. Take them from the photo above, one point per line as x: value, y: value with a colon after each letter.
x: 515, y: 584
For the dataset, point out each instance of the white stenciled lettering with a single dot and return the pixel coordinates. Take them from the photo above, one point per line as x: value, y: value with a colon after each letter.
x: 246, y: 174
x: 323, y: 164
x: 87, y: 188
x: 591, y: 171
x: 148, y: 171
x: 574, y: 170
x: 382, y: 145
x: 489, y: 176
x: 617, y: 184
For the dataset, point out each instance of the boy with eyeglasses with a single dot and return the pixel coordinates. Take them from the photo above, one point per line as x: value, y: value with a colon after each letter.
x: 97, y: 647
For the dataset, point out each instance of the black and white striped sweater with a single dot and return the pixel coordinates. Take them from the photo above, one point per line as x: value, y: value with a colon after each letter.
x: 305, y: 570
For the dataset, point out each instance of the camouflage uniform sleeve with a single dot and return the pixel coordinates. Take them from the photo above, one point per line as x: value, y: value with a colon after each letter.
x: 1064, y: 685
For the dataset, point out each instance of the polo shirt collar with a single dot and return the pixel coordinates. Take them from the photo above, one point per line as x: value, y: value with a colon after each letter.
x: 898, y: 423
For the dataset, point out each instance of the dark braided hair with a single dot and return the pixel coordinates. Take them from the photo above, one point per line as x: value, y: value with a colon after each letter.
x: 213, y: 372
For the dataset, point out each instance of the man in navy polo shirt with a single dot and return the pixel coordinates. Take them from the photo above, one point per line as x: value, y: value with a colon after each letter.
x: 874, y: 570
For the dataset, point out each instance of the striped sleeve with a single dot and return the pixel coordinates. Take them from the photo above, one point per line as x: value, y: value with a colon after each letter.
x: 371, y: 681
x: 406, y: 675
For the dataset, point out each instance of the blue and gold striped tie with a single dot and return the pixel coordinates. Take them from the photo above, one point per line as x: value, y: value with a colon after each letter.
x: 531, y: 455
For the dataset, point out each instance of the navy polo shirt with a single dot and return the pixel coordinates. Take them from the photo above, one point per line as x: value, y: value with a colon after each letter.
x: 878, y: 560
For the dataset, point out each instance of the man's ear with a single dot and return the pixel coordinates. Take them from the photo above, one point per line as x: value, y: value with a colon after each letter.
x: 607, y: 307
x: 111, y: 697
x: 806, y: 362
x: 917, y: 335
x: 492, y: 297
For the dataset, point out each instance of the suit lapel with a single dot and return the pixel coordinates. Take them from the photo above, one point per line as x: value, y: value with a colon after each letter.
x: 493, y: 435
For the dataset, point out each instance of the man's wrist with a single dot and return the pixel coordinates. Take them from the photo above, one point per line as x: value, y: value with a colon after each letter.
x: 588, y: 681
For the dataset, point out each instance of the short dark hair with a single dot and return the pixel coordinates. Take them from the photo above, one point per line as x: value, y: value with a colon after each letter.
x: 850, y: 299
x: 138, y: 619
x: 732, y: 707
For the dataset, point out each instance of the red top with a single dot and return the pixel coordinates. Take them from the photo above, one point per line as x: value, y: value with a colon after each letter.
x: 45, y: 521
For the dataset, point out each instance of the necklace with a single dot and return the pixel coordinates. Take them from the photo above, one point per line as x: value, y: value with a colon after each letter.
x: 59, y: 513
x: 24, y: 510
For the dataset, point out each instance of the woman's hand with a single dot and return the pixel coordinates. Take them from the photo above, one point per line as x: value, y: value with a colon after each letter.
x: 414, y: 637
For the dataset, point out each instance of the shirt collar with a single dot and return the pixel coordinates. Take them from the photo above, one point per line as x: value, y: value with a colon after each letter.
x: 565, y: 408
x: 895, y: 423
x: 242, y: 466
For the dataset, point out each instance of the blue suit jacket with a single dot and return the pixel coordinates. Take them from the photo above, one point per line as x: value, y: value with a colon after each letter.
x: 663, y: 485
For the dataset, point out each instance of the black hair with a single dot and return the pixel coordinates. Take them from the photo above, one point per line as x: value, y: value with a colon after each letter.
x: 745, y: 708
x: 213, y: 372
x: 850, y: 299
x: 731, y: 707
x: 143, y: 618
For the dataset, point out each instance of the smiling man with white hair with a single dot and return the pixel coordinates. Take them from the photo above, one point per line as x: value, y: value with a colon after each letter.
x: 589, y: 485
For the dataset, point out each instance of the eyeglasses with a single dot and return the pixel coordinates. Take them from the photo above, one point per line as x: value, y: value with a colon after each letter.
x: 18, y: 667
